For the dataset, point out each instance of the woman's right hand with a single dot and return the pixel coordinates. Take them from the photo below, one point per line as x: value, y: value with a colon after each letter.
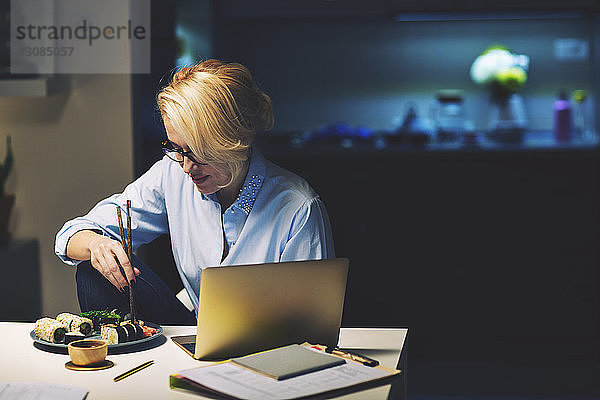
x: 105, y: 254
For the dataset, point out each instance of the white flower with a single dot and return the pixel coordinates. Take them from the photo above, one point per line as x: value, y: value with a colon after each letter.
x: 487, y: 65
x: 494, y: 63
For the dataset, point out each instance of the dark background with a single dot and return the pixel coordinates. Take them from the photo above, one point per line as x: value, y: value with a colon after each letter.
x: 490, y: 258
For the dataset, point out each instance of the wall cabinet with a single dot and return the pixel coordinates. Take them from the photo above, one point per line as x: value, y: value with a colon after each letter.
x: 484, y: 256
x: 20, y: 289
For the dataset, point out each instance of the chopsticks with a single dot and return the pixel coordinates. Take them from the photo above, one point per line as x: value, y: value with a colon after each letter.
x: 126, y: 242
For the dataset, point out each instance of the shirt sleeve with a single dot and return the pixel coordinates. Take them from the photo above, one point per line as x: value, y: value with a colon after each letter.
x: 148, y: 214
x: 310, y: 234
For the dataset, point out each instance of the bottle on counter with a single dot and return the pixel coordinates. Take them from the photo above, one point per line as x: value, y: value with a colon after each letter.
x: 563, y: 121
x: 581, y: 128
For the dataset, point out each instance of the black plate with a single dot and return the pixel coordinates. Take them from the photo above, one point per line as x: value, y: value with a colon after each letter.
x: 158, y: 334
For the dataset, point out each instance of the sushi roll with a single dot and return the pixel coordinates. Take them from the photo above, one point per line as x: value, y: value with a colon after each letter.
x: 123, y: 334
x: 50, y: 330
x: 109, y: 333
x: 139, y: 331
x: 75, y: 323
x: 130, y: 332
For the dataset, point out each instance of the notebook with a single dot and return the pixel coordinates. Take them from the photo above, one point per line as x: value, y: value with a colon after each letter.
x: 288, y: 361
x: 244, y: 309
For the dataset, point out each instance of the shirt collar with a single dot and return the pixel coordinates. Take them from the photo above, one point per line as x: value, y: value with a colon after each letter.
x: 254, y: 180
x: 252, y: 184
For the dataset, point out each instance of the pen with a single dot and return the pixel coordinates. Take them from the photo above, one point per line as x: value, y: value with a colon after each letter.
x: 133, y: 370
x: 369, y: 362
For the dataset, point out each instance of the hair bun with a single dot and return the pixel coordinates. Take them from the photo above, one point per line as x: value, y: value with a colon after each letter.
x: 182, y: 74
x: 265, y: 117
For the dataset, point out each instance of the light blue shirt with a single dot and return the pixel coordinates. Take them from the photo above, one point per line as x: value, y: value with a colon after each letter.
x: 276, y: 217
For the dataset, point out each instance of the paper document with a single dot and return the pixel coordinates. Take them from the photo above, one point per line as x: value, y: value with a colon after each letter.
x: 40, y: 391
x: 236, y: 381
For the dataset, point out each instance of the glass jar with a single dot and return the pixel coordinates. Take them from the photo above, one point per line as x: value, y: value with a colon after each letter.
x: 449, y: 117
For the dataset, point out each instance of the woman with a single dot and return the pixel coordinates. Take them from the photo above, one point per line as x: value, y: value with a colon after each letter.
x: 221, y: 202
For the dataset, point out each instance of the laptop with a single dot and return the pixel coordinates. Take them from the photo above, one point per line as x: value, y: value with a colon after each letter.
x: 244, y: 309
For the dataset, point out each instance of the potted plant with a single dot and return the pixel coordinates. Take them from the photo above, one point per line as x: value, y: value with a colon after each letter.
x: 7, y: 201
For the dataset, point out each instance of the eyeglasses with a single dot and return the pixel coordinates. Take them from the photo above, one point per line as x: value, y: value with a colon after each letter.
x: 177, y: 154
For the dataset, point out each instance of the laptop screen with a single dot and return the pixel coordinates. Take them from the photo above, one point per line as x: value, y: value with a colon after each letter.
x: 249, y: 308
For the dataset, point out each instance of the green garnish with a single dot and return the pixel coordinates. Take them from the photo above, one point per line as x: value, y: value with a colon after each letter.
x: 102, y: 317
x: 101, y: 314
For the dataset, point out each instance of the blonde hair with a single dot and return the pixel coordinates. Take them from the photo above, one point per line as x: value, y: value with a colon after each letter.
x: 217, y: 109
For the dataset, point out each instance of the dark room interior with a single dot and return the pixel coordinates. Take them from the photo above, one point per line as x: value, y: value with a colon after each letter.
x: 486, y: 250
x: 469, y: 214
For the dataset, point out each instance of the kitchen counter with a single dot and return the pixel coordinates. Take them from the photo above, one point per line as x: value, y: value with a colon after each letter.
x: 291, y: 144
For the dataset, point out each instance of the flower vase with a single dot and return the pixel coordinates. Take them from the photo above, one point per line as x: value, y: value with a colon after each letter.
x: 507, y: 121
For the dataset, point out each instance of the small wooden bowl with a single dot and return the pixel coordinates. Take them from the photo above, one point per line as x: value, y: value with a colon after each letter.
x: 88, y: 352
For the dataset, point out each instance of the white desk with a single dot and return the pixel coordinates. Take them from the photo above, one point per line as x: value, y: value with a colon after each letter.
x: 21, y: 361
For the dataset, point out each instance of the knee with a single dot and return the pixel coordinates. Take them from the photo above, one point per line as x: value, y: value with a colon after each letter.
x: 94, y: 291
x: 85, y: 273
x: 90, y: 282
